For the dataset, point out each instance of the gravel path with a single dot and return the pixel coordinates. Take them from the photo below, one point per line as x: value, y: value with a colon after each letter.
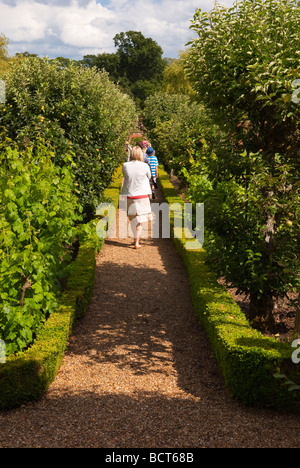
x: 139, y: 372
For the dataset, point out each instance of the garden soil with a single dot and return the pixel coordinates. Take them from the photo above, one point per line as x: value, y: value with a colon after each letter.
x: 139, y: 371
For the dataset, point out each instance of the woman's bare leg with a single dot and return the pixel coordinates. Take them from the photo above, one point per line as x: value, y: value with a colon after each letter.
x: 139, y: 230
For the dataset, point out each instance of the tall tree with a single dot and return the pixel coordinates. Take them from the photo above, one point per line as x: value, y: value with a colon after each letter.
x: 140, y: 57
x: 175, y: 79
x: 3, y: 47
x: 3, y: 53
x: 141, y: 64
x: 244, y: 64
x: 137, y: 66
x: 107, y: 62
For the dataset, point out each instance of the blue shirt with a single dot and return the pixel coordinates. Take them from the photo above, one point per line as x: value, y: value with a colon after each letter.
x: 153, y: 161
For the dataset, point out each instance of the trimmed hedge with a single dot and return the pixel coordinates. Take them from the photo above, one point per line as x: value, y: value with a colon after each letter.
x: 257, y: 370
x: 27, y: 375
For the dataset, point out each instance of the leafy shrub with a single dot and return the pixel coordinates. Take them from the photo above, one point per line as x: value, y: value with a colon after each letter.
x: 243, y: 64
x: 27, y: 375
x: 73, y: 109
x: 37, y: 220
x: 177, y: 128
x: 235, y: 214
x: 249, y: 361
x: 162, y: 107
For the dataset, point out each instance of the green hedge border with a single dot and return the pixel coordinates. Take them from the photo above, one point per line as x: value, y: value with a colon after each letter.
x: 248, y: 360
x: 27, y: 376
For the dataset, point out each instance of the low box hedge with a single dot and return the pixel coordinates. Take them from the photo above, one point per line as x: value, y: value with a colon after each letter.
x: 27, y: 375
x: 257, y: 370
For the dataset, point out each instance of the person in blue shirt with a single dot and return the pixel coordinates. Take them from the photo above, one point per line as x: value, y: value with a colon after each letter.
x: 153, y: 163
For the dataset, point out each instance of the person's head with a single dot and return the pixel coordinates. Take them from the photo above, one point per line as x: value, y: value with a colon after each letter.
x: 150, y: 151
x: 137, y: 154
x: 140, y: 144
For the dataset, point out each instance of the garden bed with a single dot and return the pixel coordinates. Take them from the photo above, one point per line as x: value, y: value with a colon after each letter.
x: 27, y: 375
x: 258, y: 370
x: 284, y: 314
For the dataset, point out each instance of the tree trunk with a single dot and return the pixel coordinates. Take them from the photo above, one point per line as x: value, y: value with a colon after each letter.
x: 261, y: 311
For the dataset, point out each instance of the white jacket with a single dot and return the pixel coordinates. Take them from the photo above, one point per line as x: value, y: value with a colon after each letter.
x: 137, y: 177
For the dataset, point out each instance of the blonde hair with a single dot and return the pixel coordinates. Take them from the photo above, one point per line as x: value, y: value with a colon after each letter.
x: 137, y: 154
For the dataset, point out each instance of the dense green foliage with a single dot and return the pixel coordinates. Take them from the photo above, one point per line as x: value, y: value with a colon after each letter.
x: 66, y: 127
x: 238, y: 149
x: 71, y: 109
x: 257, y: 369
x: 37, y: 220
x: 4, y: 57
x: 137, y: 65
x: 175, y: 79
x: 177, y: 127
x: 27, y: 375
x: 243, y: 64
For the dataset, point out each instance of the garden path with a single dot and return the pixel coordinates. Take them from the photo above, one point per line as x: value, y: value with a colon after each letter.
x: 139, y: 371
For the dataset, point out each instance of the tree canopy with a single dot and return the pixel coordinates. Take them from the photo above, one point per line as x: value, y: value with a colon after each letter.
x: 73, y: 109
x: 175, y: 79
x: 137, y: 65
x: 3, y: 53
x: 244, y: 64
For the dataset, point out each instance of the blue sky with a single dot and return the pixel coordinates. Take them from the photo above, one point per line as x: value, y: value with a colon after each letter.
x: 74, y: 28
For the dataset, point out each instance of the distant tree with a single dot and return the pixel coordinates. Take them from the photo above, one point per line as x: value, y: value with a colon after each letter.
x: 64, y: 62
x: 140, y: 57
x: 105, y: 61
x: 168, y: 61
x: 141, y: 64
x: 4, y: 58
x: 4, y: 41
x: 175, y: 79
x: 25, y: 54
x: 137, y: 66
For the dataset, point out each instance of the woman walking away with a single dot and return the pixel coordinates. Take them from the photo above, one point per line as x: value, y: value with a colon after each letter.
x: 136, y: 187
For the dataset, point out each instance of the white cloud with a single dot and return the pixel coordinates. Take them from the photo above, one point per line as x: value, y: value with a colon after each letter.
x: 73, y: 28
x: 20, y: 23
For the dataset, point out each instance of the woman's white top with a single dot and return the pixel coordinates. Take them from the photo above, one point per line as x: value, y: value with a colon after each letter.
x: 137, y: 177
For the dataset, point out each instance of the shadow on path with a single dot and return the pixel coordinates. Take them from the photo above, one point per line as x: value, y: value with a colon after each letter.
x: 139, y: 371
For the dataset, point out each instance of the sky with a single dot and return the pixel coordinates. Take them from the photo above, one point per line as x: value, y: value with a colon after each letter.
x: 74, y: 28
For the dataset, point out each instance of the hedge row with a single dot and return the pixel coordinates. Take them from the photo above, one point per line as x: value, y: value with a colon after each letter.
x: 27, y: 375
x: 257, y: 369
